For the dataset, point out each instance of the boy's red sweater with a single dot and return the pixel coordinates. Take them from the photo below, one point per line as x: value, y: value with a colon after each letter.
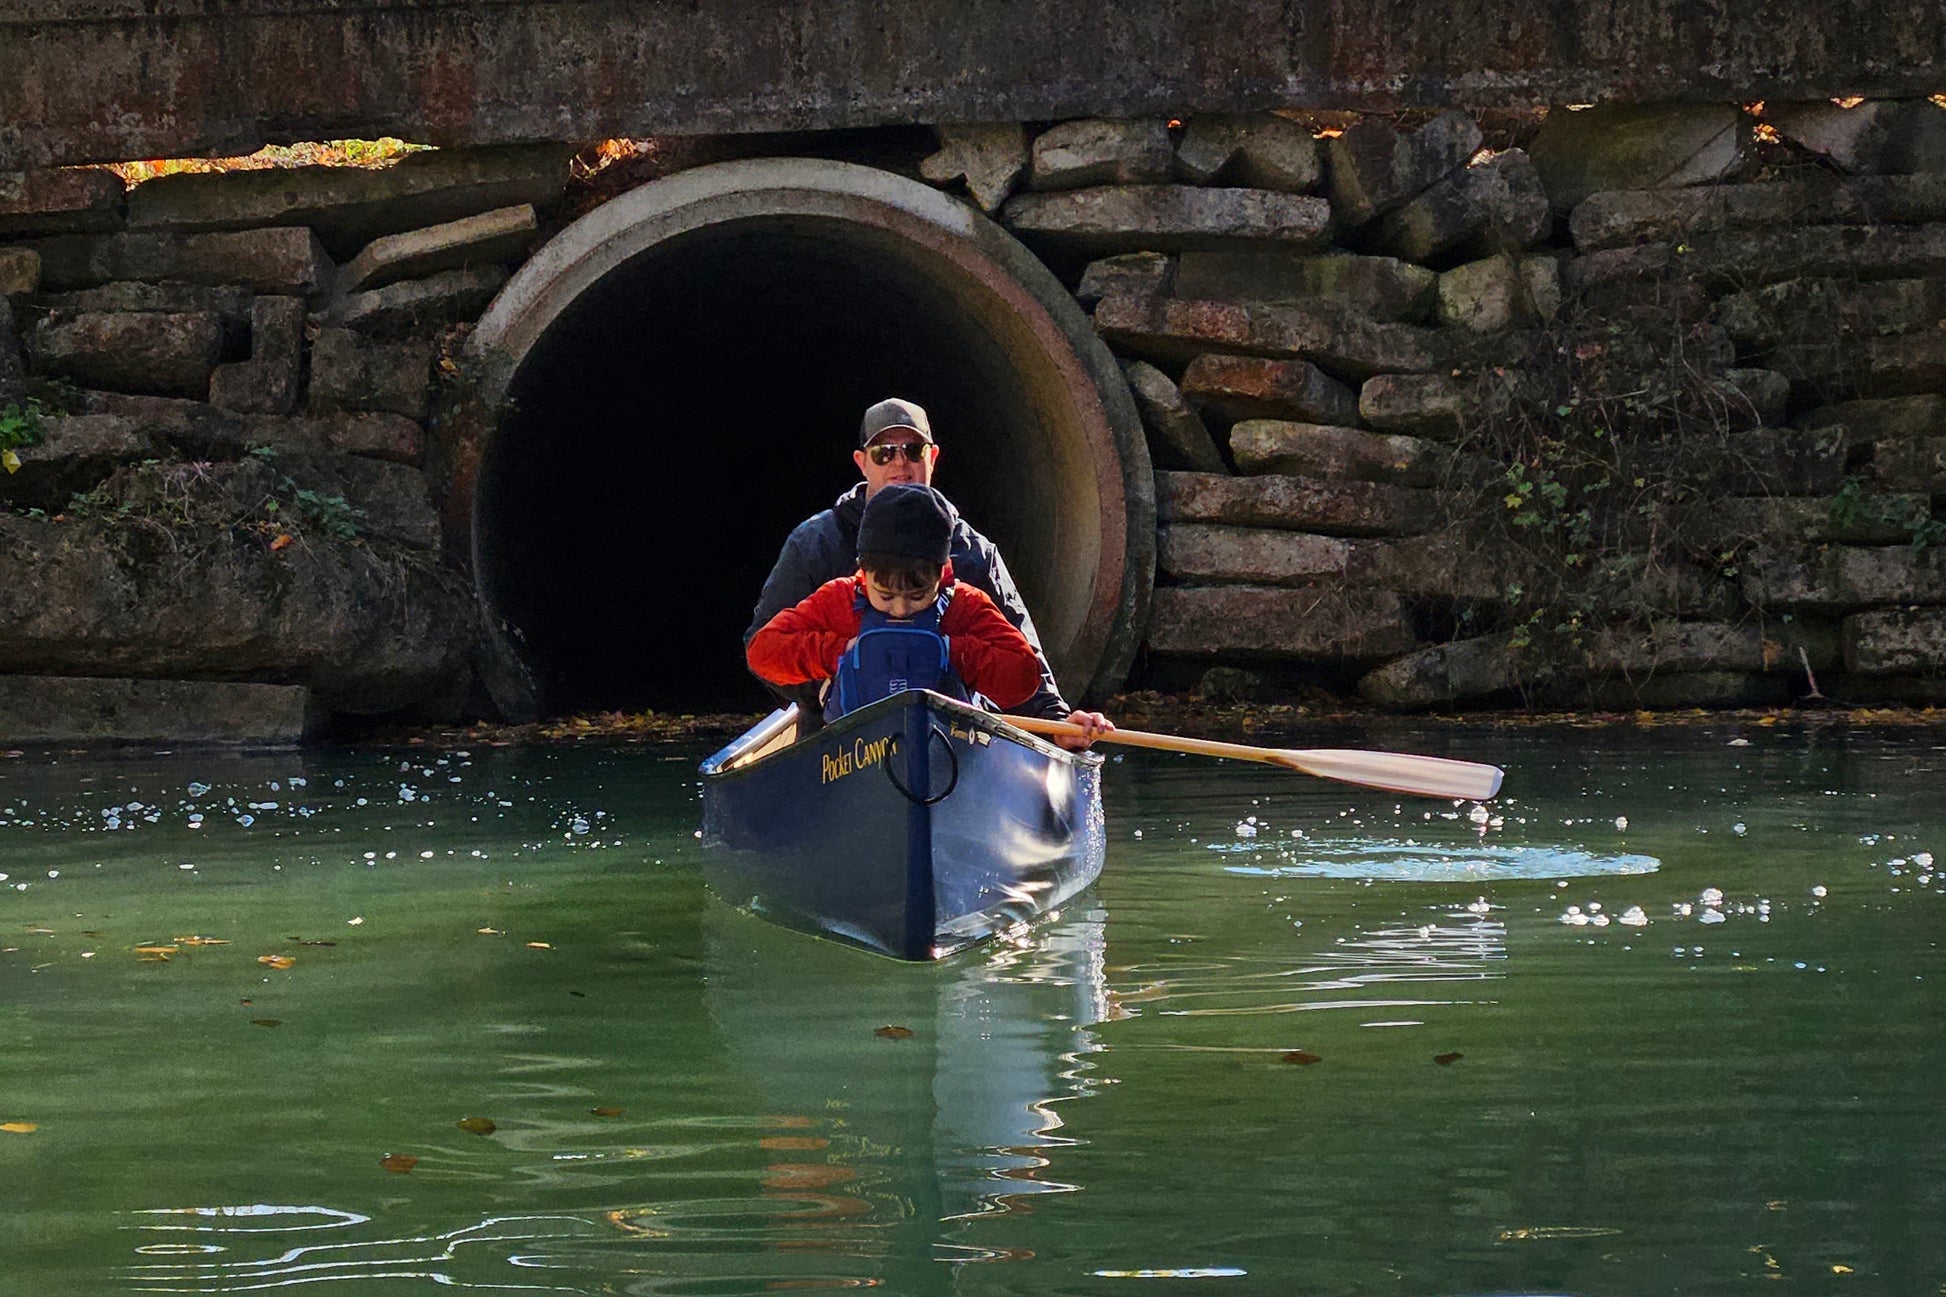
x: 805, y: 643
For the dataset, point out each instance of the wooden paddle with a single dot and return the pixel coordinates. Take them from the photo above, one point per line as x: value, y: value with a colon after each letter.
x: 1398, y: 772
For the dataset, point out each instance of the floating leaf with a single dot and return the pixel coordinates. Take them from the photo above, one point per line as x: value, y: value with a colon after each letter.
x: 628, y: 1220
x: 477, y: 1125
x: 154, y: 954
x: 793, y: 1143
x: 489, y: 932
x: 1301, y: 1058
x: 894, y: 1033
x: 199, y: 941
x: 608, y: 1112
x: 40, y: 931
x: 1447, y: 1060
x: 539, y: 945
x: 277, y: 961
x: 266, y: 1022
x: 398, y: 1163
x: 19, y: 1127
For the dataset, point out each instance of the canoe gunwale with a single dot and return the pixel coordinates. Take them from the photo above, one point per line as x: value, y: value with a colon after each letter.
x: 723, y: 764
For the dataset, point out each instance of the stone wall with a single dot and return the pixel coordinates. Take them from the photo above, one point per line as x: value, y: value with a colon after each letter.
x: 226, y: 480
x: 1716, y: 336
x: 1360, y: 347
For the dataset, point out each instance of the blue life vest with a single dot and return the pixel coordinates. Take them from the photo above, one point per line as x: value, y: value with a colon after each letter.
x: 893, y: 656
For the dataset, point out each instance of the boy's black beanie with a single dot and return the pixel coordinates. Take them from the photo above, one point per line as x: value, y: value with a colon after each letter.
x: 907, y: 521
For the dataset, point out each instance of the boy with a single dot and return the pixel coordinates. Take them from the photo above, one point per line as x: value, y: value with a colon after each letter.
x: 900, y: 621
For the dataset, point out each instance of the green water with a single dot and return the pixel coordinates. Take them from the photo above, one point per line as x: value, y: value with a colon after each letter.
x: 1349, y: 1047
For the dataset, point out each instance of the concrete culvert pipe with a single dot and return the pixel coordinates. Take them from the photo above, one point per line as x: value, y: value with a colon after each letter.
x: 675, y: 381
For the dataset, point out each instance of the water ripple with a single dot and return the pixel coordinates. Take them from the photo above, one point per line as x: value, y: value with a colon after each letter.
x: 359, y: 1259
x: 1352, y: 973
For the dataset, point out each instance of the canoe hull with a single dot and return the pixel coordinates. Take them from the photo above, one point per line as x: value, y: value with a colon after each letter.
x: 913, y: 828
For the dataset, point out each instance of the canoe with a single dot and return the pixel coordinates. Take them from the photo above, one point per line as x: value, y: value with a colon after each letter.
x: 915, y: 827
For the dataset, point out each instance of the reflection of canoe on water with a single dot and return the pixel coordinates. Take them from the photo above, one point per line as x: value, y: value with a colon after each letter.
x: 913, y: 827
x: 941, y: 1087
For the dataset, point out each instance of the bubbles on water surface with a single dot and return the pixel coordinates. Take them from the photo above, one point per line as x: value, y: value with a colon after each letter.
x: 1406, y: 861
x: 1190, y: 1272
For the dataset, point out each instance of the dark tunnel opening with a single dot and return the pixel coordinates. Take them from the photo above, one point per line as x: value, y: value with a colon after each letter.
x: 669, y: 428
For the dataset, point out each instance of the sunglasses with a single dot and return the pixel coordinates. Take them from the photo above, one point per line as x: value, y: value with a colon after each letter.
x: 914, y: 451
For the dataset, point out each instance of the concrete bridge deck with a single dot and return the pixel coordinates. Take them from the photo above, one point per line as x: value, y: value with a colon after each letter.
x: 107, y: 80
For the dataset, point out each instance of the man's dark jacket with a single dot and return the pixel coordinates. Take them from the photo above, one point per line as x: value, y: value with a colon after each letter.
x: 825, y: 547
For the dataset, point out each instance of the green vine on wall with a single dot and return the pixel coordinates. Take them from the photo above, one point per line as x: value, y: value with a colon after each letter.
x: 1592, y: 466
x: 21, y: 425
x: 1853, y: 506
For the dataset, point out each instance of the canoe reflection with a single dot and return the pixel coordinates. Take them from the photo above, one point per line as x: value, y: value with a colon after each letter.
x: 938, y: 1084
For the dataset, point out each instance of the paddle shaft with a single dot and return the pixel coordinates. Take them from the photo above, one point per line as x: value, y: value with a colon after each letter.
x: 1399, y: 772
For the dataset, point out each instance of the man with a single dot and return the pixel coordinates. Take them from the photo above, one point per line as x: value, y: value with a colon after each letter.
x: 895, y: 445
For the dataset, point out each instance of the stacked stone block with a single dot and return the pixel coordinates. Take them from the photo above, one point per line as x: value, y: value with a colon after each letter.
x: 1827, y: 283
x: 1317, y: 325
x: 235, y: 373
x: 1306, y: 320
x: 1278, y: 302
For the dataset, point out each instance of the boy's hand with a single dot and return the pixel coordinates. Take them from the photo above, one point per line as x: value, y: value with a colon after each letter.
x: 1093, y: 725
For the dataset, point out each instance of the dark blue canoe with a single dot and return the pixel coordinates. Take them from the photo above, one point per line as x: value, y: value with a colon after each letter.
x: 914, y: 827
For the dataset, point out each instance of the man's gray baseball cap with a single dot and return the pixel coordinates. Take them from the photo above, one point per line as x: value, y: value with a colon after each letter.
x: 894, y: 413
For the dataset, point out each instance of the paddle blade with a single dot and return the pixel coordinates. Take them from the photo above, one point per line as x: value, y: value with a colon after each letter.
x: 1398, y: 772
